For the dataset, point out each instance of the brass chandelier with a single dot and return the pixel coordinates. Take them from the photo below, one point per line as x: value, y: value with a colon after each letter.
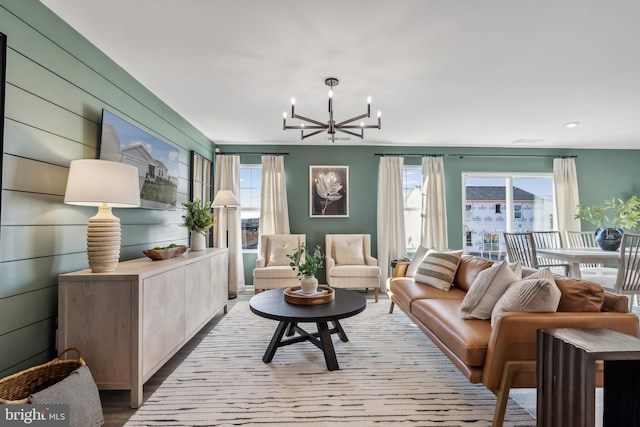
x: 330, y: 126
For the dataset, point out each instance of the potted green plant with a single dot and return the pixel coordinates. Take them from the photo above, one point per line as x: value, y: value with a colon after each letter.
x: 198, y: 219
x: 307, y: 264
x: 611, y: 218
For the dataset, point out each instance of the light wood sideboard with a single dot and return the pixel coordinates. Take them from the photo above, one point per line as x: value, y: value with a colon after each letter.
x: 129, y: 322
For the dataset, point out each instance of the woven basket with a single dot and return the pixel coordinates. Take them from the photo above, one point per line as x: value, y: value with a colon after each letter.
x: 16, y: 388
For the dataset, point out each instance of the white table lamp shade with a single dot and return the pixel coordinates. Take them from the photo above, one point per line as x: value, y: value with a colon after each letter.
x: 94, y: 182
x: 104, y: 184
x: 225, y: 199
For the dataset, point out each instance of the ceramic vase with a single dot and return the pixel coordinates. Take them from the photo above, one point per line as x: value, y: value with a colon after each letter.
x: 308, y: 284
x: 198, y: 241
x: 609, y: 239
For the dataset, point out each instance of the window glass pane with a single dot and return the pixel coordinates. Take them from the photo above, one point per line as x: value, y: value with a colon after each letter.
x: 487, y: 214
x: 250, y: 190
x: 412, y: 192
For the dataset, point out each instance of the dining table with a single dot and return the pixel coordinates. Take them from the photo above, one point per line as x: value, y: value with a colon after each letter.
x: 576, y: 256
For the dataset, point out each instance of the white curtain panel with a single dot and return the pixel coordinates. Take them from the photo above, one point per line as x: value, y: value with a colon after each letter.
x: 391, y: 234
x: 434, y: 230
x: 274, y: 210
x: 565, y: 180
x: 228, y: 178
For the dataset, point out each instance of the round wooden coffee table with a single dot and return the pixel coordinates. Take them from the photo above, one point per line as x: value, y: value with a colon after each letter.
x: 271, y: 305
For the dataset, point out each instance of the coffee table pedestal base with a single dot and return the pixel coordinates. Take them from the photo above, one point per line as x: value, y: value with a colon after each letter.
x: 321, y: 339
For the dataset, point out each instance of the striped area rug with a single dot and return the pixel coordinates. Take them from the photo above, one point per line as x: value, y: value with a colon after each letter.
x: 390, y: 375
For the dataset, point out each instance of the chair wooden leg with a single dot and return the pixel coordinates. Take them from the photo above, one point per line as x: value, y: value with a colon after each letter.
x: 376, y: 291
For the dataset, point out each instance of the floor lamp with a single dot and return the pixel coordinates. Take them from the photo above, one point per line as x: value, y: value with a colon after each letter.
x: 225, y: 199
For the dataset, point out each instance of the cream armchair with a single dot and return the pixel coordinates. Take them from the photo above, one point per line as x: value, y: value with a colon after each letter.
x: 349, y: 262
x: 273, y: 268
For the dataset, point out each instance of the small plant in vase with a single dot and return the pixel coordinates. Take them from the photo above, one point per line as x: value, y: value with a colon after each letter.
x: 610, y: 219
x: 307, y: 264
x: 198, y: 219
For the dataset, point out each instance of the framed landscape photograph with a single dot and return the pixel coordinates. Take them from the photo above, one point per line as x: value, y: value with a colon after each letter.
x: 156, y: 161
x: 329, y: 191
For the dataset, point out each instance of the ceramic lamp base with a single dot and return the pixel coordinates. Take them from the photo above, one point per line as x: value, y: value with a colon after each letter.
x: 103, y: 241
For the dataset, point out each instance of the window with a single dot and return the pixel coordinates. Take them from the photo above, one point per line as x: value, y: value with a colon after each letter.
x: 518, y: 202
x: 250, y: 190
x: 412, y: 192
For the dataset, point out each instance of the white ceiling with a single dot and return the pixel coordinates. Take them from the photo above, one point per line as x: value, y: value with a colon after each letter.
x: 443, y: 72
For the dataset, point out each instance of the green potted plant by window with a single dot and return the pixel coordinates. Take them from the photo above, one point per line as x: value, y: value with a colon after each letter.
x: 611, y: 218
x: 198, y: 219
x: 307, y: 264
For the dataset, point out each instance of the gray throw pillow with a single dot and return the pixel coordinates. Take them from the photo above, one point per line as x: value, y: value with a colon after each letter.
x: 438, y: 269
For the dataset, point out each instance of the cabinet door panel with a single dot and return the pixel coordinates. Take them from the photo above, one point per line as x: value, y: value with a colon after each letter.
x: 163, y: 316
x: 197, y: 294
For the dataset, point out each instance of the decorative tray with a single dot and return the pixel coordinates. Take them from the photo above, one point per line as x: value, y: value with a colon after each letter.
x: 165, y: 253
x: 323, y: 295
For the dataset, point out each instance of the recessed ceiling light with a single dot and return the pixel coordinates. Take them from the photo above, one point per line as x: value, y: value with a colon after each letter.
x: 527, y: 141
x: 571, y: 124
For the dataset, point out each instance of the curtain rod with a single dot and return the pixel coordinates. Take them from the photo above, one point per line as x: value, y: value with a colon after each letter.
x: 251, y: 153
x: 408, y: 155
x: 554, y: 156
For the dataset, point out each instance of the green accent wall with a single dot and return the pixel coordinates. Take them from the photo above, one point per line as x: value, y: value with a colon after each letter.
x: 57, y: 85
x: 601, y: 174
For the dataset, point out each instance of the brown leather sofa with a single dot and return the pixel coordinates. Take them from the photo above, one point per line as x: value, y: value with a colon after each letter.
x: 504, y: 356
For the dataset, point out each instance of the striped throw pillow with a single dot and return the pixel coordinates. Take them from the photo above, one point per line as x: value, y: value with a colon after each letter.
x: 438, y: 269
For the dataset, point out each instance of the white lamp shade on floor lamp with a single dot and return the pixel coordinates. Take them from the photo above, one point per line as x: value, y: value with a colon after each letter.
x: 104, y: 184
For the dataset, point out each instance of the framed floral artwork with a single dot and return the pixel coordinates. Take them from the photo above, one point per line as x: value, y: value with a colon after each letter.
x: 329, y: 191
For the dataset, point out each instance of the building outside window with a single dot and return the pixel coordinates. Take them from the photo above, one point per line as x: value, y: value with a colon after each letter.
x: 250, y: 191
x: 412, y: 195
x: 498, y: 202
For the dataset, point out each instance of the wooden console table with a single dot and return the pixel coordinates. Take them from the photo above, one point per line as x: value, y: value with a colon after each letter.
x: 566, y: 370
x: 129, y: 322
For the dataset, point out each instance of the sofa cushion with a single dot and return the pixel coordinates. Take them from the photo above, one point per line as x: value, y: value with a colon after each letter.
x: 538, y: 295
x: 579, y: 295
x: 468, y: 339
x: 415, y: 262
x: 405, y: 290
x: 468, y: 269
x: 438, y: 268
x: 277, y: 272
x: 355, y: 271
x: 486, y: 290
x: 349, y: 251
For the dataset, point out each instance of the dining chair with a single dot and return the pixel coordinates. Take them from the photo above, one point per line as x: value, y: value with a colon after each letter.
x: 350, y: 264
x: 605, y: 276
x: 628, y: 279
x: 522, y: 247
x: 549, y: 239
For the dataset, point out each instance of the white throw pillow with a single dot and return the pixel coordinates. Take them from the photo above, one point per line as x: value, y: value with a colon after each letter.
x: 486, y: 290
x: 438, y: 269
x: 537, y: 295
x: 349, y: 252
x: 279, y: 248
x: 516, y: 267
x: 415, y: 262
